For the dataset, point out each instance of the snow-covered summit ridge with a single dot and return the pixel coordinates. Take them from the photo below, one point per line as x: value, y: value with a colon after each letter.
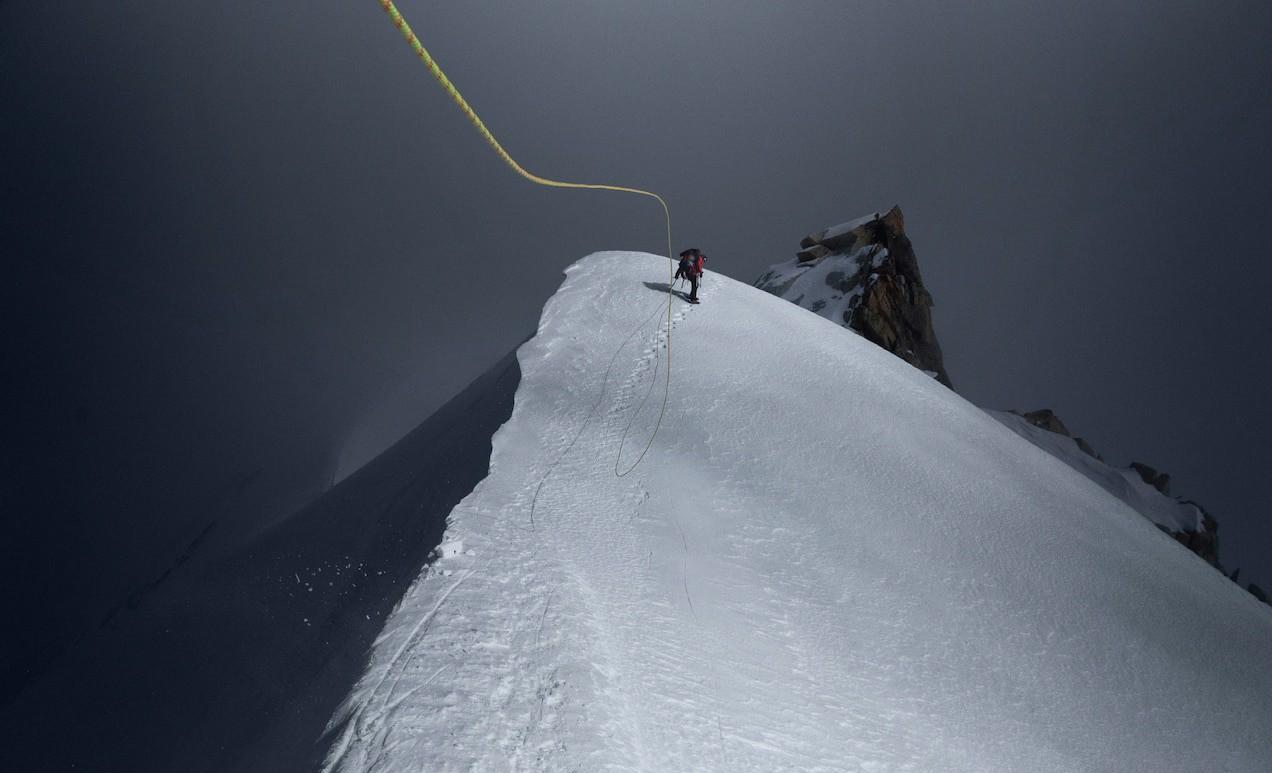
x: 847, y: 274
x: 886, y: 580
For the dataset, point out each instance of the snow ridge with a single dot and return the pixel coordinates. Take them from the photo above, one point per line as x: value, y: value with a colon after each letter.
x: 880, y: 579
x: 1123, y: 483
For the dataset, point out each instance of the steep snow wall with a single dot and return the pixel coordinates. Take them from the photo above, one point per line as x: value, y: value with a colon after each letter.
x: 874, y: 577
x: 236, y: 665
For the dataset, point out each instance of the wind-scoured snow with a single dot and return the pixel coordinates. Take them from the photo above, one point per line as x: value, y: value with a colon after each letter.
x: 826, y: 561
x: 1122, y: 482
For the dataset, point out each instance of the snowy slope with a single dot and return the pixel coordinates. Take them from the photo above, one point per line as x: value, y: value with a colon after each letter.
x: 1122, y: 482
x: 878, y: 577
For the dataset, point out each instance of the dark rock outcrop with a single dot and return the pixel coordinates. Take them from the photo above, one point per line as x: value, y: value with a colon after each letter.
x: 1205, y: 540
x: 1045, y: 418
x: 865, y: 276
x: 1158, y: 480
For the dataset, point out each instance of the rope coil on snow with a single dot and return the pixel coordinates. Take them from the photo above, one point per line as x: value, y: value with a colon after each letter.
x: 398, y: 21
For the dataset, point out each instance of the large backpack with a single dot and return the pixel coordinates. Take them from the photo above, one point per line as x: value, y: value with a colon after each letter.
x: 687, y: 259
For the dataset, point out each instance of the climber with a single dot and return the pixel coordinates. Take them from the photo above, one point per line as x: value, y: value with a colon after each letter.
x: 686, y: 259
x: 692, y: 266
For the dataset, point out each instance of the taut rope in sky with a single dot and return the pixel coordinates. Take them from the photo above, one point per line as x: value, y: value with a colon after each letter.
x: 449, y: 88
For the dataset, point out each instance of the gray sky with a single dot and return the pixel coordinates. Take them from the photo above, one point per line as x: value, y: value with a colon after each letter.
x: 246, y: 238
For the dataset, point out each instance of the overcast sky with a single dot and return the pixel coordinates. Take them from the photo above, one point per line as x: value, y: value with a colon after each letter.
x: 244, y: 241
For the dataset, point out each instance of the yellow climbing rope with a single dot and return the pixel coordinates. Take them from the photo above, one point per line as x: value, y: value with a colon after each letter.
x: 445, y: 83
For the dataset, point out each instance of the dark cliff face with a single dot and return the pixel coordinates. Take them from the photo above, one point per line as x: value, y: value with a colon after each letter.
x: 865, y: 276
x: 896, y: 312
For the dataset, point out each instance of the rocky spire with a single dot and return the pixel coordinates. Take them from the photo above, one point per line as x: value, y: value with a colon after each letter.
x: 865, y: 276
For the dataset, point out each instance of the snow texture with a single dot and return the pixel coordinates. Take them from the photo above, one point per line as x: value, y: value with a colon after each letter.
x: 1122, y: 482
x: 826, y: 562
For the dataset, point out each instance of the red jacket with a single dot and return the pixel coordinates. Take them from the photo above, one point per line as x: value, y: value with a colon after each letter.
x: 699, y: 265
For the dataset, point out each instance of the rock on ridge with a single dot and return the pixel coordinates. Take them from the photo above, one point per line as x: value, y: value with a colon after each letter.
x: 864, y: 275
